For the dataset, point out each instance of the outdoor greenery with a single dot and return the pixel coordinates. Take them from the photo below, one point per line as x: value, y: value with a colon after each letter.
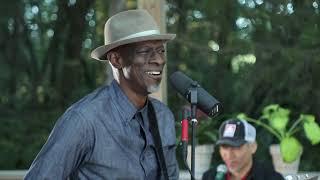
x: 246, y: 53
x: 278, y: 121
x: 249, y: 54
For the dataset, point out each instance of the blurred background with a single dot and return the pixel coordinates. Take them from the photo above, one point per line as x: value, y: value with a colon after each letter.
x: 246, y: 53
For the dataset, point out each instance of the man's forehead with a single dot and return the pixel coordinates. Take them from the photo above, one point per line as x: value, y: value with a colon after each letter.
x: 150, y: 43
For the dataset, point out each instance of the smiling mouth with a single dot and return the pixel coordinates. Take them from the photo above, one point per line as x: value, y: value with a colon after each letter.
x: 154, y: 73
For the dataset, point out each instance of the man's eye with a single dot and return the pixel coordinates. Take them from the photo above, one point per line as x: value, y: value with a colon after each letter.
x: 146, y: 51
x: 161, y: 51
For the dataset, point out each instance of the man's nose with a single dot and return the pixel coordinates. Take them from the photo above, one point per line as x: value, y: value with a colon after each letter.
x: 228, y: 152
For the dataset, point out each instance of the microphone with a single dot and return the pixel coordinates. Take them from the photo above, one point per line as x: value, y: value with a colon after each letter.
x: 184, y: 133
x: 206, y: 102
x: 221, y: 171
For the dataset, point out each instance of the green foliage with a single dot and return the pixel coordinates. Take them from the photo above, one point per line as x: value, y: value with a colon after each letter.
x: 290, y: 149
x: 22, y: 135
x: 311, y: 128
x: 278, y: 117
x: 45, y: 67
x: 206, y: 132
x: 277, y: 122
x: 45, y: 63
x: 283, y: 42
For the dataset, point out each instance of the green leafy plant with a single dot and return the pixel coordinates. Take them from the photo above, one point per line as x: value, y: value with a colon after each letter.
x: 277, y: 124
x: 206, y: 132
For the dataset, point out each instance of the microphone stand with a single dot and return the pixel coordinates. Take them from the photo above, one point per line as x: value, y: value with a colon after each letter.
x: 193, y: 95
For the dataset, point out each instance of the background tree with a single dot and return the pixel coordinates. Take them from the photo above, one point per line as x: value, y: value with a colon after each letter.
x: 247, y: 53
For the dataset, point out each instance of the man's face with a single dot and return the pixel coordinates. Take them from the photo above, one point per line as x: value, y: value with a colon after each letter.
x: 238, y: 159
x: 143, y: 66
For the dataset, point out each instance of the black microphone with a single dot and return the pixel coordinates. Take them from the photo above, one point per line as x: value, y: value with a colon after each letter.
x: 206, y: 102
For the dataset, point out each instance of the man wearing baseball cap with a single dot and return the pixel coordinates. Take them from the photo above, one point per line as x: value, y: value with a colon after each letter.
x: 237, y: 145
x: 117, y: 131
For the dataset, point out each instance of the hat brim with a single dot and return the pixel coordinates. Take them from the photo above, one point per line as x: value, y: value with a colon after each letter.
x: 231, y: 142
x: 99, y: 52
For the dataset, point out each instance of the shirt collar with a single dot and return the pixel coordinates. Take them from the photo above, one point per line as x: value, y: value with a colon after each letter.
x: 121, y: 101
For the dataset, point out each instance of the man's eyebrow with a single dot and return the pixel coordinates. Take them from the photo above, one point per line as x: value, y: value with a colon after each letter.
x: 147, y: 46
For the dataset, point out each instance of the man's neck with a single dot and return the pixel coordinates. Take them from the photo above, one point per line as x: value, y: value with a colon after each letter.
x: 138, y: 100
x: 242, y: 173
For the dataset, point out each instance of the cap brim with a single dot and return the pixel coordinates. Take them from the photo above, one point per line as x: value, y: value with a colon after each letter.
x: 99, y: 52
x: 231, y: 142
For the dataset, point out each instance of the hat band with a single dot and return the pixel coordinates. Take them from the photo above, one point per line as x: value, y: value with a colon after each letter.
x: 140, y: 34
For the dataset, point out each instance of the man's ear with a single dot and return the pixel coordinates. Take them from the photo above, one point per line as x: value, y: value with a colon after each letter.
x: 253, y: 147
x: 115, y: 59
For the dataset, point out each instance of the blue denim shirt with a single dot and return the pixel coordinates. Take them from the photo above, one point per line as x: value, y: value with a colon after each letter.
x: 103, y: 136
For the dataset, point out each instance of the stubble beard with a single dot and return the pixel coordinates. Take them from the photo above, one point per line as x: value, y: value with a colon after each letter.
x: 153, y: 88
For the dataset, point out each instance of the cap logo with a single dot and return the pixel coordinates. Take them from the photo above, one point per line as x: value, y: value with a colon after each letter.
x: 229, y: 130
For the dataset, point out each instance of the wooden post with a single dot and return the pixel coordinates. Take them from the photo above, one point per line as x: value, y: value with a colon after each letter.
x: 156, y: 9
x: 115, y: 7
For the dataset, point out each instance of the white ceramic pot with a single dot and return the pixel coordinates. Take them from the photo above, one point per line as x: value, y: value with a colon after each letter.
x: 279, y: 165
x: 203, y: 154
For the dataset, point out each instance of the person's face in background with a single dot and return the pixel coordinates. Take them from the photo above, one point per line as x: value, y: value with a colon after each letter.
x: 238, y: 159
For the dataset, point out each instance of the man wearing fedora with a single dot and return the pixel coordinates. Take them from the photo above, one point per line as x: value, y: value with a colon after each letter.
x: 117, y: 131
x: 237, y: 145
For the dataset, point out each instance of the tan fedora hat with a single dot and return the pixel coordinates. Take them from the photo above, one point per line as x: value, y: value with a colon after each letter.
x: 128, y: 27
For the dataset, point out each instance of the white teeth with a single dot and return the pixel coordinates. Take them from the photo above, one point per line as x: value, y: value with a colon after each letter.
x: 154, y: 73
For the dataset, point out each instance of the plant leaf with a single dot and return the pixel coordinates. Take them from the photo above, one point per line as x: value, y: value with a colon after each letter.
x: 277, y: 116
x: 242, y: 116
x: 212, y: 136
x: 268, y: 110
x: 290, y: 149
x: 311, y: 128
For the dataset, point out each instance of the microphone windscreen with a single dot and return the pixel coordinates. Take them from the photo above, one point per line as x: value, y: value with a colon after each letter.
x: 207, y: 103
x: 180, y: 82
